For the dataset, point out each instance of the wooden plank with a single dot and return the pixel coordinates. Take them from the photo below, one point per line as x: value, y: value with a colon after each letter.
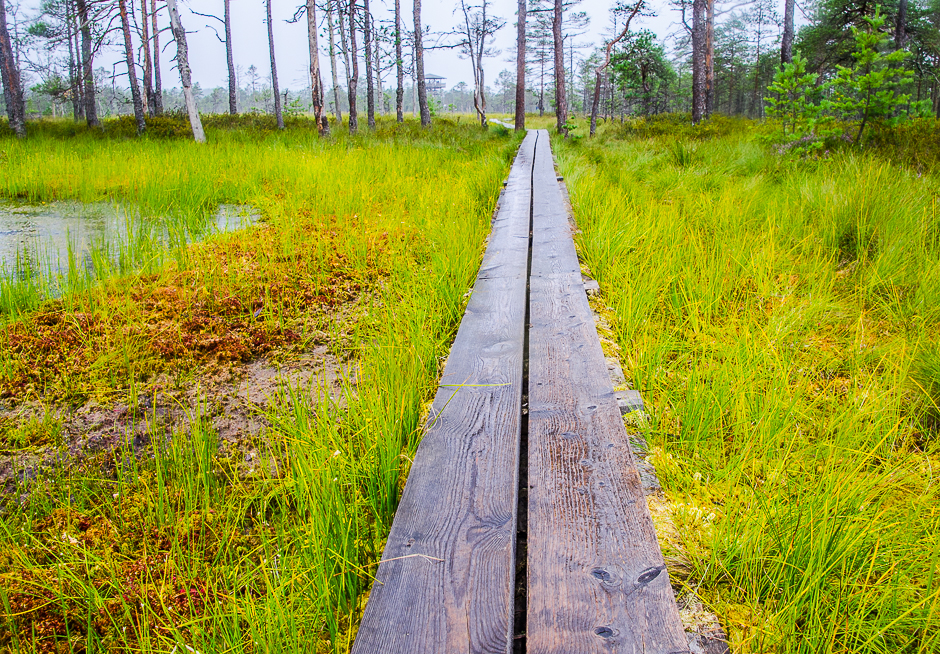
x: 596, y: 576
x: 552, y: 233
x: 446, y: 582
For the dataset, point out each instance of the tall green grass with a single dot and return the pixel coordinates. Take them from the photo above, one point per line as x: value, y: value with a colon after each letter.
x: 266, y: 544
x: 780, y: 318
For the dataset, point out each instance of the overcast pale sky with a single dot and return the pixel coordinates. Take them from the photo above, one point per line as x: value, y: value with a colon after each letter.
x: 207, y: 54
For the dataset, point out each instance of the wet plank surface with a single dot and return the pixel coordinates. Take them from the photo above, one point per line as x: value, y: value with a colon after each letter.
x: 446, y: 580
x: 596, y: 577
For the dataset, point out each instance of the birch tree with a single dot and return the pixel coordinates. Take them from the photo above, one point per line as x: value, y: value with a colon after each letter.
x: 132, y: 69
x: 182, y: 62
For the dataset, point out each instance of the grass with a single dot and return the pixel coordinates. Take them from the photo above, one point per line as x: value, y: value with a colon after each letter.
x: 368, y: 246
x: 781, y: 319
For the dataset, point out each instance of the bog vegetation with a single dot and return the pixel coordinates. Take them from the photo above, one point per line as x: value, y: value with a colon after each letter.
x: 174, y: 537
x: 780, y: 315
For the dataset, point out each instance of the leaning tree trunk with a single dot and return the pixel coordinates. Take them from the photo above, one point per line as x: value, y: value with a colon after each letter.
x: 399, y: 68
x: 786, y: 41
x: 148, y: 61
x: 561, y: 101
x: 337, y: 111
x: 419, y: 67
x: 367, y: 37
x: 354, y: 76
x: 157, y: 85
x: 230, y: 60
x: 182, y: 62
x: 12, y: 90
x: 278, y: 114
x: 88, y: 75
x: 316, y: 81
x: 699, y: 90
x: 131, y: 69
x: 520, y: 67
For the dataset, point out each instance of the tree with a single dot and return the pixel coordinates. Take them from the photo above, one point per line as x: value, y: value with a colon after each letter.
x: 786, y: 42
x: 131, y: 69
x: 353, y: 86
x: 148, y: 61
x: 157, y: 86
x: 419, y: 67
x: 182, y: 62
x: 642, y: 66
x: 10, y: 74
x: 561, y: 100
x: 699, y: 63
x: 278, y: 114
x: 519, y: 123
x: 399, y: 67
x: 478, y: 31
x: 230, y: 61
x: 631, y: 11
x: 88, y: 75
x: 790, y: 102
x: 367, y: 38
x: 317, y: 94
x: 337, y: 112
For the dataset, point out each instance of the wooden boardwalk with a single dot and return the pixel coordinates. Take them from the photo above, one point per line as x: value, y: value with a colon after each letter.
x: 525, y: 399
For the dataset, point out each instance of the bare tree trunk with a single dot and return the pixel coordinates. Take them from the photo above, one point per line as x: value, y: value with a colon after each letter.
x: 278, y: 114
x: 595, y: 103
x: 367, y: 37
x: 900, y: 28
x: 88, y: 76
x: 73, y: 63
x: 710, y: 58
x: 379, y: 90
x: 12, y: 90
x: 699, y: 89
x: 337, y: 111
x: 157, y: 85
x: 148, y: 61
x: 182, y: 61
x: 786, y: 42
x: 132, y: 69
x: 399, y: 68
x: 419, y: 67
x: 354, y: 76
x: 520, y: 66
x: 316, y: 80
x: 230, y: 60
x: 561, y: 102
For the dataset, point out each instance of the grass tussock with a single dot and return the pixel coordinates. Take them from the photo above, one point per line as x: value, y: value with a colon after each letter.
x: 178, y: 538
x: 780, y: 317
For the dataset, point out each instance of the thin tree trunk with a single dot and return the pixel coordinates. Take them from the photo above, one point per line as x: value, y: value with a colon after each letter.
x: 337, y: 111
x: 12, y: 90
x: 379, y: 90
x: 699, y: 88
x: 595, y: 103
x: 278, y: 114
x: 182, y: 62
x: 88, y: 76
x: 345, y: 43
x: 132, y: 69
x: 710, y: 58
x: 419, y: 67
x: 354, y: 76
x: 561, y: 102
x: 230, y: 60
x: 786, y: 42
x: 148, y: 61
x: 317, y: 96
x: 73, y: 63
x: 520, y: 66
x: 157, y: 85
x: 399, y: 68
x: 900, y: 28
x: 367, y: 37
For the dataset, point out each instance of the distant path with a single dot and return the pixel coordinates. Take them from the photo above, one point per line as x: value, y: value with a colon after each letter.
x: 591, y: 577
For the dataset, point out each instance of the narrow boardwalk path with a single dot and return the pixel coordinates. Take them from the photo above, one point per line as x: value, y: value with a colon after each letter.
x: 532, y: 407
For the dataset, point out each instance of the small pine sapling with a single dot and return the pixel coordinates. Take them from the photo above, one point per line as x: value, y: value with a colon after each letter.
x: 868, y: 91
x: 792, y: 103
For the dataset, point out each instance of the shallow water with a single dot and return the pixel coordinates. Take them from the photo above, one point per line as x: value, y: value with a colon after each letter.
x: 41, y: 237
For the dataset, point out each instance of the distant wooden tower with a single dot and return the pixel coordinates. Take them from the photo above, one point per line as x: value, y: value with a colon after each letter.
x: 435, y: 85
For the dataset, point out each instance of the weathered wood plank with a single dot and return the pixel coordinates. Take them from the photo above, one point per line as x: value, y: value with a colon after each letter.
x: 459, y: 504
x: 596, y: 577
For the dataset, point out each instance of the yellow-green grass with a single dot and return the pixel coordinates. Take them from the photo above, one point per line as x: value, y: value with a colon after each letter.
x: 368, y: 244
x: 781, y: 320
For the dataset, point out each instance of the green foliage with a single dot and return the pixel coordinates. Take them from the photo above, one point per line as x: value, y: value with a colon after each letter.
x: 793, y: 103
x: 641, y: 66
x: 868, y: 91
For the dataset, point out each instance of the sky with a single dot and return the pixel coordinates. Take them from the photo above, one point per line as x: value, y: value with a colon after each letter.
x: 249, y: 36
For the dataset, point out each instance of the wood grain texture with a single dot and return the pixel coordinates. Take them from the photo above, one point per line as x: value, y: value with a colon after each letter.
x: 596, y: 577
x: 459, y: 504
